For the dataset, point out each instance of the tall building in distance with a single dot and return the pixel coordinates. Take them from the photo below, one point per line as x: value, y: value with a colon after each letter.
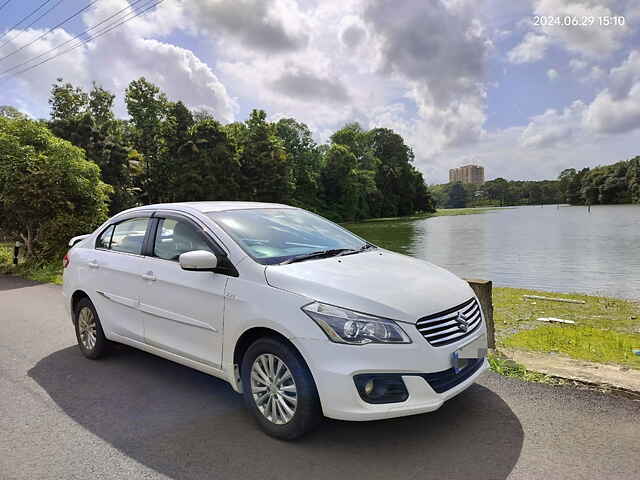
x: 467, y: 174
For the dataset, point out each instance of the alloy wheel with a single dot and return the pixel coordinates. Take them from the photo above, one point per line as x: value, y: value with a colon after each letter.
x: 273, y: 389
x: 87, y: 328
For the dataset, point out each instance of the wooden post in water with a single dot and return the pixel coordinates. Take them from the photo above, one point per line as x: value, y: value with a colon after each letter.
x: 483, y: 290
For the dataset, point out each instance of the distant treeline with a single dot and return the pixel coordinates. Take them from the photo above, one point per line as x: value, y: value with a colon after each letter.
x: 168, y: 153
x: 610, y: 184
x: 617, y: 183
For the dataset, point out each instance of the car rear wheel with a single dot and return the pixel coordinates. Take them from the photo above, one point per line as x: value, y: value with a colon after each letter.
x: 89, y: 333
x: 279, y: 389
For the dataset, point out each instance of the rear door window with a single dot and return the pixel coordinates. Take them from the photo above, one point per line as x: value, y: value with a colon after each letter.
x: 128, y: 236
x: 104, y: 240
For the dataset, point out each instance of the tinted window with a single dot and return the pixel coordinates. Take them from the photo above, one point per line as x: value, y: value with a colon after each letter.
x: 104, y: 240
x: 128, y: 236
x: 272, y: 235
x: 175, y: 237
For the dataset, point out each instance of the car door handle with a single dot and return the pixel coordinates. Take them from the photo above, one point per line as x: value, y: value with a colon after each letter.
x: 149, y: 276
x: 93, y: 264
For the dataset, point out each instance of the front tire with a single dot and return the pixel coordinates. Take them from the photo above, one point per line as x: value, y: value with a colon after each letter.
x: 91, y: 340
x: 279, y: 390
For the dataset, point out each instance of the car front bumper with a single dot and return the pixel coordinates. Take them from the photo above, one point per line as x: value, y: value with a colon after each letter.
x: 339, y: 363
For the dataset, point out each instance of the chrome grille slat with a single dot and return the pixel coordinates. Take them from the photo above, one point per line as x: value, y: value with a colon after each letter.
x: 443, y: 328
x: 468, y: 311
x: 429, y: 335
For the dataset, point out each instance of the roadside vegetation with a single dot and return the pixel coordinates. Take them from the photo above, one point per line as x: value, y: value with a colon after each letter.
x: 606, y: 330
x: 508, y: 368
x: 39, y: 271
x: 63, y: 176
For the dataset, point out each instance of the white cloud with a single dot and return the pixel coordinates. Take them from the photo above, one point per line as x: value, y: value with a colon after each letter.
x: 552, y: 74
x: 116, y: 59
x: 577, y: 64
x: 532, y: 48
x: 616, y: 109
x: 552, y: 127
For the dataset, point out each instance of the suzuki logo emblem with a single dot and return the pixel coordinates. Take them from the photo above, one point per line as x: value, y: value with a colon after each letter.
x: 463, y: 323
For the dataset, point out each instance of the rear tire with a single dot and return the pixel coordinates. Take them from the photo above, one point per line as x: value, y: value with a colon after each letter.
x: 91, y: 340
x: 279, y: 390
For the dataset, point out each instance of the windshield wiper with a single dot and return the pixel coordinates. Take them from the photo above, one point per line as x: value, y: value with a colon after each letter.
x: 350, y: 251
x: 321, y: 253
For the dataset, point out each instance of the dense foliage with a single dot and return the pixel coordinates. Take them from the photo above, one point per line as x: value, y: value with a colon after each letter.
x: 48, y: 191
x: 167, y: 153
x: 617, y: 183
x: 498, y: 192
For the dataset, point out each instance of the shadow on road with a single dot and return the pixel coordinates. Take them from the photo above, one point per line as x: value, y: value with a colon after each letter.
x: 10, y: 282
x: 186, y: 424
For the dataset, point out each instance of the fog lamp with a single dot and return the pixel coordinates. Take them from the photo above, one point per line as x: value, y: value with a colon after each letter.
x: 381, y: 387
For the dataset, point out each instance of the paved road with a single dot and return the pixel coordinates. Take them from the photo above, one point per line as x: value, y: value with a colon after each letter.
x: 137, y: 416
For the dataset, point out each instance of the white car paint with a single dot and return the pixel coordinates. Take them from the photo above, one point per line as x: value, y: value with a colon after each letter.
x: 196, y: 318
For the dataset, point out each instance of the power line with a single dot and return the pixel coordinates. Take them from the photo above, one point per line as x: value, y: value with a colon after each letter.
x: 34, y: 21
x: 4, y: 4
x: 23, y: 18
x: 82, y: 42
x: 71, y: 39
x: 49, y: 31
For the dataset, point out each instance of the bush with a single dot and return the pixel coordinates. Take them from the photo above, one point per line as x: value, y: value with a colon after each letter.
x: 48, y: 191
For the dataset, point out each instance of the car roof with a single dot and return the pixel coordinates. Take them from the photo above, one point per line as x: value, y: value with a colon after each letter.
x: 207, y: 207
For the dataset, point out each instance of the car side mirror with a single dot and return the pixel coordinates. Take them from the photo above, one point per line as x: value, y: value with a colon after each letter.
x: 199, y: 261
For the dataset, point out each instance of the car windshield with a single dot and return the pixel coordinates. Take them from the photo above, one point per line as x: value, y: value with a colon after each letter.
x: 277, y: 235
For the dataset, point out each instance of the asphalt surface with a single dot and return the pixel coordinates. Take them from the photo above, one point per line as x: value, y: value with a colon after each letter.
x: 134, y: 415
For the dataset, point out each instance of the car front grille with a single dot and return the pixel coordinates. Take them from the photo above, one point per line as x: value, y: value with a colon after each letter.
x: 451, y: 325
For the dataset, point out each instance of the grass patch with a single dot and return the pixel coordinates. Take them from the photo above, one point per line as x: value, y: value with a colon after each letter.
x: 441, y: 212
x: 580, y: 342
x: 606, y: 329
x: 513, y: 313
x: 509, y: 368
x: 38, y: 271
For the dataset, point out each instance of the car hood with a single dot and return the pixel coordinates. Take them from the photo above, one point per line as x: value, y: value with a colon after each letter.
x: 378, y: 282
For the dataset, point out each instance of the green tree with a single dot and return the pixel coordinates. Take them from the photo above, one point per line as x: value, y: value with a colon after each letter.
x: 67, y: 101
x: 94, y: 129
x: 207, y: 168
x: 48, y: 191
x: 147, y: 107
x: 456, y: 197
x: 263, y: 161
x: 7, y: 111
x: 340, y: 184
x: 305, y: 160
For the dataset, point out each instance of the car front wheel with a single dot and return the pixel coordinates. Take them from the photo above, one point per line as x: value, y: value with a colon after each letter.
x: 279, y: 389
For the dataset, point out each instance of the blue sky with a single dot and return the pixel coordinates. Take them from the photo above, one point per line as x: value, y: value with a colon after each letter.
x: 464, y: 81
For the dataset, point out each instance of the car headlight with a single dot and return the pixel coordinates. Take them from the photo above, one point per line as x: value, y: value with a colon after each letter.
x: 346, y: 326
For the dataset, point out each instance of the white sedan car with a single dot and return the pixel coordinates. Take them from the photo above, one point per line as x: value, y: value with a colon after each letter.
x: 301, y: 316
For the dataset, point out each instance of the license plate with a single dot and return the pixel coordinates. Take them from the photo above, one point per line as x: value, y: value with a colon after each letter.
x: 476, y: 348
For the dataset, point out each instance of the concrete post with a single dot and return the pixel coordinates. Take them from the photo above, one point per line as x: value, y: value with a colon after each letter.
x: 482, y: 289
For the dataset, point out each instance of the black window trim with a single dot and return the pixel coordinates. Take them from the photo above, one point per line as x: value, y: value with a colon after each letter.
x: 121, y: 219
x: 225, y: 266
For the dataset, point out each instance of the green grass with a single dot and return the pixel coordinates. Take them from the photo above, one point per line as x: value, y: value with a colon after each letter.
x: 39, y: 271
x: 441, y: 212
x: 513, y: 313
x: 509, y: 368
x: 606, y: 329
x: 582, y: 343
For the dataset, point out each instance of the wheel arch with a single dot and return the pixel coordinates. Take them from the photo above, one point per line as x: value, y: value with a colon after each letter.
x: 251, y: 335
x: 75, y: 298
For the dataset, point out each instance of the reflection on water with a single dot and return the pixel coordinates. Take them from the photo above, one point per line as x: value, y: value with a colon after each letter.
x: 562, y: 249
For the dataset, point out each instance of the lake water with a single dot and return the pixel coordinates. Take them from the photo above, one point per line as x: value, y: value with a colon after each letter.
x: 562, y: 249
